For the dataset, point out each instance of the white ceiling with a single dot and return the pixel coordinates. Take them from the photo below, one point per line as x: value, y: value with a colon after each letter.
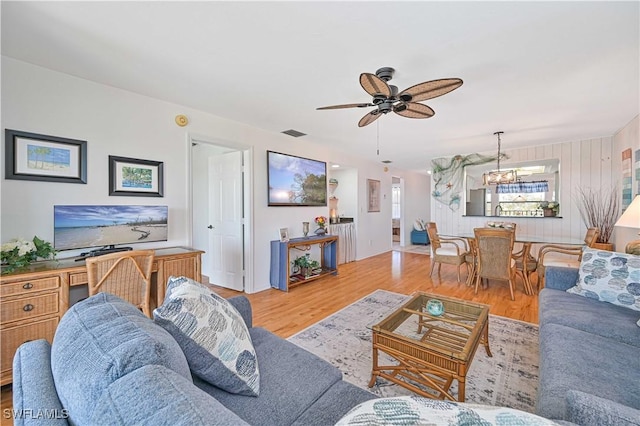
x: 542, y: 72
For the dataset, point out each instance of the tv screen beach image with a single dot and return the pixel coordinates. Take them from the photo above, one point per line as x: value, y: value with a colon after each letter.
x: 78, y: 227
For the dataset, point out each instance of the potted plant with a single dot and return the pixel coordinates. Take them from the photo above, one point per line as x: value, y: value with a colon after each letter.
x: 599, y: 209
x: 549, y: 208
x: 305, y: 265
x: 19, y: 253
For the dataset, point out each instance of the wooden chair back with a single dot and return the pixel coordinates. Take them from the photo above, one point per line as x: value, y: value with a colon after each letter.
x: 494, y: 248
x: 124, y: 274
x: 432, y: 231
x: 591, y: 236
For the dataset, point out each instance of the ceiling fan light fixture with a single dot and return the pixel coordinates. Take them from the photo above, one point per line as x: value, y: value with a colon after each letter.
x: 498, y: 177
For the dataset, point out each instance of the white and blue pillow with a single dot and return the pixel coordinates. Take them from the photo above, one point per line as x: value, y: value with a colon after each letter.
x: 414, y: 410
x: 609, y: 277
x: 212, y: 335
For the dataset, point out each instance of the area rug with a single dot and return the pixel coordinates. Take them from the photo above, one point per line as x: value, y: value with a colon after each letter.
x: 509, y: 378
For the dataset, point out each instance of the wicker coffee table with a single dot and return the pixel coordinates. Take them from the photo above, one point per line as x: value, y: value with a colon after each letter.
x: 430, y: 351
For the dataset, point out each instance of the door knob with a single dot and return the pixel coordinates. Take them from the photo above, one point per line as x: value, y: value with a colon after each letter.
x: 210, y: 226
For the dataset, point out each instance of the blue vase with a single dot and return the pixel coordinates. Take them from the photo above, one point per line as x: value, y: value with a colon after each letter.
x: 435, y: 307
x: 320, y: 231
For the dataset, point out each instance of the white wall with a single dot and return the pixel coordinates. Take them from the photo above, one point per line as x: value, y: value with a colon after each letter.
x: 347, y: 191
x: 627, y: 137
x: 117, y: 122
x: 417, y: 199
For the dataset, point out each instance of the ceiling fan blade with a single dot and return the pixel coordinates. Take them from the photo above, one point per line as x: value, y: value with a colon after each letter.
x: 369, y: 118
x: 429, y: 89
x: 374, y: 85
x: 346, y: 106
x: 413, y: 110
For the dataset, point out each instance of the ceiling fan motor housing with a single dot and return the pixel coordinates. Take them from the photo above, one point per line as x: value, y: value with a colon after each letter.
x: 385, y: 73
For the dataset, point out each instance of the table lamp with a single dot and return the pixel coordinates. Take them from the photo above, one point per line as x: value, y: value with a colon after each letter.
x: 631, y: 219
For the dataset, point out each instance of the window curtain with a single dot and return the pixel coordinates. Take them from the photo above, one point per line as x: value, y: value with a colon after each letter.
x: 523, y: 187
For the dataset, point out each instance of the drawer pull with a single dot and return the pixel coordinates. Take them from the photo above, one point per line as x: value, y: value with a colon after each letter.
x: 27, y: 286
x: 28, y: 307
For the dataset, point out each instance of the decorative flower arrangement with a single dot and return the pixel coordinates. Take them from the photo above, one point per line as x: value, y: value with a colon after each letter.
x: 321, y: 221
x: 19, y: 253
x: 552, y: 205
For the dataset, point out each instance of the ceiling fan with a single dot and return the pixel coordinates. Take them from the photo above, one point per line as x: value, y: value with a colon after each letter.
x: 406, y: 103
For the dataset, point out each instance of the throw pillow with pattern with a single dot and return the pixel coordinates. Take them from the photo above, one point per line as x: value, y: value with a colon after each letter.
x: 212, y: 335
x: 609, y: 277
x: 414, y: 410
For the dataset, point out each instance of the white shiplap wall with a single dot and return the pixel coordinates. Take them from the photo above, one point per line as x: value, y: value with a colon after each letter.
x: 586, y: 163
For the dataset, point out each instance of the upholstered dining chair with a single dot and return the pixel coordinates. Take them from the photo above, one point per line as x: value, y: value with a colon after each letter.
x: 124, y: 274
x: 495, y: 261
x: 449, y: 250
x: 566, y: 256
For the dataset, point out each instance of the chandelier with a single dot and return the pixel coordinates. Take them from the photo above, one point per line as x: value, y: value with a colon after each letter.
x: 497, y: 177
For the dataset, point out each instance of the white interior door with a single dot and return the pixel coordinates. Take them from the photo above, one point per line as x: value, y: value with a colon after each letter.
x: 225, y: 221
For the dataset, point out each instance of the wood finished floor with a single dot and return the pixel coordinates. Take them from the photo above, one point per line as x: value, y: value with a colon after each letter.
x: 402, y: 272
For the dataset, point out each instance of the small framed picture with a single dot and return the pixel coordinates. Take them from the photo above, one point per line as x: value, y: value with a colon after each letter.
x: 373, y: 195
x: 284, y: 235
x: 135, y: 178
x: 30, y: 156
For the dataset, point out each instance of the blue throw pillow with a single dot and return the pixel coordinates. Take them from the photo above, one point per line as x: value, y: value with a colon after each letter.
x: 212, y: 334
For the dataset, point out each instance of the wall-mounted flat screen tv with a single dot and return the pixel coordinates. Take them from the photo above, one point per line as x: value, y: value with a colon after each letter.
x: 77, y: 227
x: 296, y: 181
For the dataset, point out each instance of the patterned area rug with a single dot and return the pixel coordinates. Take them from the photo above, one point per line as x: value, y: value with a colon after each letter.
x: 509, y: 378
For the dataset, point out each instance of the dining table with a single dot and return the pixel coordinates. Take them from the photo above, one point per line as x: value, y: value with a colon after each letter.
x: 527, y: 241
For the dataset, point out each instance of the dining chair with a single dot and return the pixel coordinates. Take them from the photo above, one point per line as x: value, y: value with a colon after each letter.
x: 495, y: 261
x: 124, y: 274
x: 472, y: 261
x: 525, y: 267
x: 565, y: 256
x: 449, y: 250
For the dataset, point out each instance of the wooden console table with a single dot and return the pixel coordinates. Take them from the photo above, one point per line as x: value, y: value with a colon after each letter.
x: 280, y: 276
x: 34, y: 299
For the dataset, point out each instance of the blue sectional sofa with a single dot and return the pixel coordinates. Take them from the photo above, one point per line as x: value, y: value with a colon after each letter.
x: 109, y: 364
x: 589, y: 356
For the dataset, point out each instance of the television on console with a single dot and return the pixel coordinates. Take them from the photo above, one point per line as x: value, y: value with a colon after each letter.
x: 296, y: 181
x: 88, y: 226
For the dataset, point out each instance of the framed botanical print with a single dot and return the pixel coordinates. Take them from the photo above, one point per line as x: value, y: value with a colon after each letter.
x: 134, y: 177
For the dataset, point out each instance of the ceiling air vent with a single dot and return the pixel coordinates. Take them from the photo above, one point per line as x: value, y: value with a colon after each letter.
x: 387, y: 161
x: 294, y: 133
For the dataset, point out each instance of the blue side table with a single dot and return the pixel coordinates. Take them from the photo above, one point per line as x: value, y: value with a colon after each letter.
x: 419, y: 237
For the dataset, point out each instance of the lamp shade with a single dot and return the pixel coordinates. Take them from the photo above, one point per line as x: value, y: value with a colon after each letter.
x: 631, y: 216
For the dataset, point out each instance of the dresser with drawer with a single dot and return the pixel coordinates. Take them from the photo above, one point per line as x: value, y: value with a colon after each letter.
x: 33, y: 300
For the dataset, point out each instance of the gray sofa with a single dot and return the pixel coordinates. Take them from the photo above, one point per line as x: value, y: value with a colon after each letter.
x: 589, y: 356
x: 109, y: 364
